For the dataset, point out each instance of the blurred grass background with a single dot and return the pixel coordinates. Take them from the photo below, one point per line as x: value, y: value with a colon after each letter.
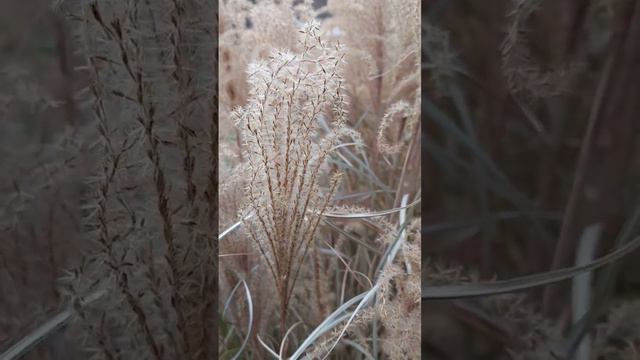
x: 530, y: 118
x: 39, y: 231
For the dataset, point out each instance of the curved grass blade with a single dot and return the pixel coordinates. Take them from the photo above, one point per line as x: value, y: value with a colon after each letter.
x: 581, y: 290
x: 604, y: 285
x: 370, y: 295
x: 250, y: 306
x: 524, y: 282
x: 286, y: 335
x: 336, y: 317
x: 363, y: 299
x: 271, y: 352
x: 38, y: 335
x: 233, y: 227
x: 371, y: 214
x: 330, y: 215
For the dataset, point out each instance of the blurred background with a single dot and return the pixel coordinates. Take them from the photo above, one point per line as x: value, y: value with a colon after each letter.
x: 41, y: 177
x: 88, y: 92
x: 530, y: 126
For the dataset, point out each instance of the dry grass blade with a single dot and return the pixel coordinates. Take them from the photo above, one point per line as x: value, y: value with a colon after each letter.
x: 581, y: 293
x: 236, y: 225
x: 250, y: 307
x: 362, y: 300
x: 524, y: 282
x: 54, y: 324
x: 269, y: 350
x: 602, y: 289
x: 284, y: 339
x: 371, y: 214
x: 233, y: 227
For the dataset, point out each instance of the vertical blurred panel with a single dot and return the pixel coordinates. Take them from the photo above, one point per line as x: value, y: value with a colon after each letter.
x: 529, y: 138
x: 109, y: 203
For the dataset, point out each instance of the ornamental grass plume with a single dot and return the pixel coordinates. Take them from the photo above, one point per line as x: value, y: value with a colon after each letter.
x: 304, y: 118
x: 287, y: 154
x: 150, y: 209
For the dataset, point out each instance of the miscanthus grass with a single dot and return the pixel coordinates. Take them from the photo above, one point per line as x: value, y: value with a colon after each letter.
x: 320, y: 180
x: 288, y: 92
x: 318, y: 187
x: 148, y: 208
x: 503, y: 97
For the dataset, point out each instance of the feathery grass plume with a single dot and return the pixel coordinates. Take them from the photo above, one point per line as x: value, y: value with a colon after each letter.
x: 521, y: 72
x: 241, y: 261
x: 152, y: 210
x: 398, y: 307
x: 248, y: 32
x: 395, y: 301
x: 295, y: 132
x: 618, y: 337
x: 288, y: 93
x: 506, y: 326
x: 404, y: 111
x: 43, y: 151
x: 384, y: 42
x: 441, y: 61
x: 382, y: 70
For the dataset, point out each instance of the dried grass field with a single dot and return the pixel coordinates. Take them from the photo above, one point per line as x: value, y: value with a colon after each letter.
x: 129, y: 156
x: 320, y: 163
x: 319, y: 179
x: 531, y: 156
